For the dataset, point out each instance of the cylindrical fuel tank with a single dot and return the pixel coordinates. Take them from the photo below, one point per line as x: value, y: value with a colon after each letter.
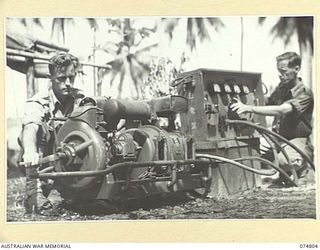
x: 114, y: 109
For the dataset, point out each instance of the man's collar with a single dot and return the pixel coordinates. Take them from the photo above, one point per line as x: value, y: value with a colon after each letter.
x: 290, y: 85
x: 298, y: 88
x: 54, y: 98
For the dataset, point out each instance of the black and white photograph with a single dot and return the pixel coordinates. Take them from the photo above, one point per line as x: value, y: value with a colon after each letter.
x: 159, y: 118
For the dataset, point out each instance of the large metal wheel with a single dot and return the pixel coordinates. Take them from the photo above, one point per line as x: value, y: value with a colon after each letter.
x: 74, y: 133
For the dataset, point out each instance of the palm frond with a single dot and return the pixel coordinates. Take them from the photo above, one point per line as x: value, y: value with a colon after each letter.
x: 170, y: 25
x: 116, y: 68
x: 216, y: 23
x: 122, y: 76
x: 24, y: 22
x: 191, y: 38
x: 116, y: 23
x: 202, y: 30
x: 136, y: 76
x: 261, y: 20
x: 196, y: 27
x: 144, y: 66
x: 93, y: 23
x: 36, y: 21
x: 147, y: 48
x: 58, y: 27
x: 304, y: 26
x: 145, y: 32
x: 284, y: 29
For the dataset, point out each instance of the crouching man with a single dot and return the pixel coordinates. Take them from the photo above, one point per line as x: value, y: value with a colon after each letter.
x: 37, y: 137
x: 291, y: 104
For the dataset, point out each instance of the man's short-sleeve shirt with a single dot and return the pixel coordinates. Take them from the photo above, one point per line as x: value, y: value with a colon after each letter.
x: 298, y: 122
x: 43, y: 106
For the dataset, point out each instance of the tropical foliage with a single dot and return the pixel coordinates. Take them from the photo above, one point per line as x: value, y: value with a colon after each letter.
x: 157, y: 82
x: 197, y: 27
x: 286, y: 27
x: 131, y: 58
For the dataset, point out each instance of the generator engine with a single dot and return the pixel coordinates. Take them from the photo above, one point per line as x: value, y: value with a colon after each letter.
x: 141, y: 139
x: 122, y: 149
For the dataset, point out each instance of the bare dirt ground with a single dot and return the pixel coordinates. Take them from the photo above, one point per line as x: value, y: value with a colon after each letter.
x: 261, y: 203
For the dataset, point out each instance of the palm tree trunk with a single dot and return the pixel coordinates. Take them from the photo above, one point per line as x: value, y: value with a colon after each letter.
x: 32, y: 84
x: 306, y: 64
x: 32, y: 87
x: 96, y: 89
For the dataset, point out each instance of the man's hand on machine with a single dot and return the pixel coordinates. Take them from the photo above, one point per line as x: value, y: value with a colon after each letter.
x: 31, y: 158
x: 240, y: 108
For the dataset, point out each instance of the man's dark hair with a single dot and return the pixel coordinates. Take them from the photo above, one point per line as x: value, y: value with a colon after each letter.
x: 293, y: 57
x: 62, y: 59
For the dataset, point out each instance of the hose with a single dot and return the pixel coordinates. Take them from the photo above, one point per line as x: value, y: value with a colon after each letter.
x: 271, y: 140
x: 284, y: 152
x: 276, y: 167
x: 258, y: 127
x: 235, y: 163
x: 256, y: 158
x: 274, y: 151
x: 247, y: 168
x: 84, y: 111
x: 116, y: 166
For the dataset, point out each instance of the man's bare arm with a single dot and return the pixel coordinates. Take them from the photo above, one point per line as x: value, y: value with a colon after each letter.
x: 273, y: 110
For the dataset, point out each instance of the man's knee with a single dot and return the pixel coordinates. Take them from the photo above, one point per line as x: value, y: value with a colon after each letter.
x: 290, y: 157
